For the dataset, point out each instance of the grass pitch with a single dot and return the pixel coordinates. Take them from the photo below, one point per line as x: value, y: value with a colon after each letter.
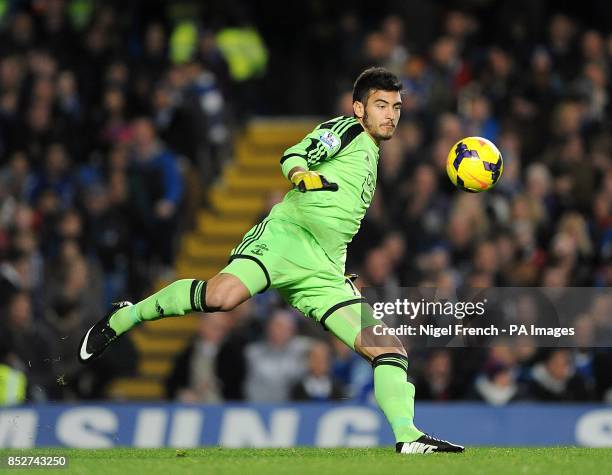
x: 558, y: 460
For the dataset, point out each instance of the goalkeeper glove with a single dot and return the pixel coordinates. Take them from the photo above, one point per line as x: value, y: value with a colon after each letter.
x: 311, y: 181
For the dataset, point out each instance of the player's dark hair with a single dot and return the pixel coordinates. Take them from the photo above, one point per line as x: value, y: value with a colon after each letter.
x: 374, y: 79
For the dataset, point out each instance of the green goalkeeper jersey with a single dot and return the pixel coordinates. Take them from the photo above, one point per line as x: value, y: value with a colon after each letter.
x: 344, y: 153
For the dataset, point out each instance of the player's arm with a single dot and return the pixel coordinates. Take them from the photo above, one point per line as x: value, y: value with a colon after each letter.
x: 309, y: 180
x: 319, y: 145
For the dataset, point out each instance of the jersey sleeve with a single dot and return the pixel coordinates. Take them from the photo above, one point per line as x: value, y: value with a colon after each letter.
x: 319, y: 145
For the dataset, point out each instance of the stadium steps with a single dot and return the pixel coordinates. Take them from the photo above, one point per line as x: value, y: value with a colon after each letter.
x: 237, y: 200
x: 137, y: 388
x: 155, y: 367
x: 152, y: 341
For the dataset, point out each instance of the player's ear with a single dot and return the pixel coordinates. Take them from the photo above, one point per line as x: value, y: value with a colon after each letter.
x: 358, y: 109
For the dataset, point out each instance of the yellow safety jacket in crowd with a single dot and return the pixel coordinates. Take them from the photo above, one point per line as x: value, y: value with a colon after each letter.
x: 244, y: 51
x: 12, y: 386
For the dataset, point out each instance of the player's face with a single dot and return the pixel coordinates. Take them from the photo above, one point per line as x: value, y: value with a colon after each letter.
x: 382, y: 113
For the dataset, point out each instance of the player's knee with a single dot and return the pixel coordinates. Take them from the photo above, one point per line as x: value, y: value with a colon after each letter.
x: 371, y: 345
x: 383, y: 350
x: 224, y: 293
x: 219, y: 301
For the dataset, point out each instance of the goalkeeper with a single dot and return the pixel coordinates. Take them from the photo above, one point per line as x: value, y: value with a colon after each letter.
x: 300, y: 250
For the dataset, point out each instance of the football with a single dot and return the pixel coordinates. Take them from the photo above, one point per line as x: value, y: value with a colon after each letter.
x: 474, y: 164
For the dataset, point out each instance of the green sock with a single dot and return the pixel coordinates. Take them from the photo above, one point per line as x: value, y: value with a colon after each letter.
x: 395, y: 395
x: 180, y: 297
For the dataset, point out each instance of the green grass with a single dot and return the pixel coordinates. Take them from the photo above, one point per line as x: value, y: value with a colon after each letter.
x: 548, y: 461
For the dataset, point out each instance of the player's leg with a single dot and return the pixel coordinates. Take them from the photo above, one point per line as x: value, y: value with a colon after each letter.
x: 337, y: 305
x: 354, y: 324
x: 237, y: 282
x: 221, y: 293
x: 394, y: 393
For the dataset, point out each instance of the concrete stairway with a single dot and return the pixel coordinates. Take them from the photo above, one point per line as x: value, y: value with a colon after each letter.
x: 237, y: 200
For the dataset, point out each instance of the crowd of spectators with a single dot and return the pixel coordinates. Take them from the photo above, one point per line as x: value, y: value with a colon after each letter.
x: 103, y: 116
x: 109, y: 135
x: 546, y: 104
x: 239, y: 356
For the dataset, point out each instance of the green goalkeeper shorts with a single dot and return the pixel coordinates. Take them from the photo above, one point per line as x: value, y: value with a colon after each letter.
x: 282, y: 255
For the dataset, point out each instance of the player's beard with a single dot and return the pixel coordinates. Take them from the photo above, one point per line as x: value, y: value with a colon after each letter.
x: 379, y: 136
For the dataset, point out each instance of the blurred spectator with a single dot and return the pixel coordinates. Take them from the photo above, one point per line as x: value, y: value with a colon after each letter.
x: 485, y: 260
x: 156, y: 170
x: 351, y: 370
x: 231, y: 365
x: 107, y: 234
x: 377, y: 272
x: 477, y: 116
x: 600, y: 311
x: 555, y: 379
x: 277, y: 363
x: 15, y: 177
x: 393, y: 33
x: 562, y: 44
x: 15, y: 275
x: 436, y: 381
x: 425, y: 209
x: 74, y: 293
x: 154, y: 59
x: 498, y: 386
x: 193, y: 378
x: 499, y: 383
x: 13, y: 381
x: 33, y: 344
x: 318, y: 384
x: 56, y: 176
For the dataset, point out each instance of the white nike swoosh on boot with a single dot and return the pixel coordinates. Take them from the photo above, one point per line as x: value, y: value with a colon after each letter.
x: 83, y: 353
x: 417, y: 448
